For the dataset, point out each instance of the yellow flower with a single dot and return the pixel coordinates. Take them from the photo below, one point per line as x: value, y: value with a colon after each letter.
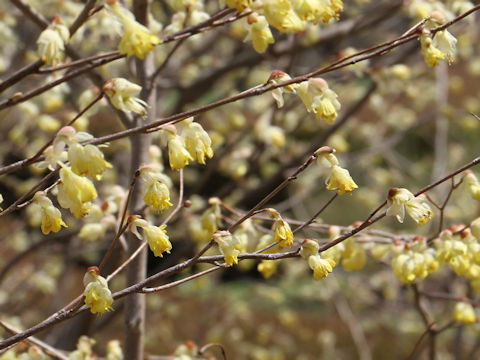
x: 114, y: 351
x: 51, y: 216
x: 51, y: 42
x: 431, y: 53
x: 137, y: 39
x: 259, y: 33
x: 158, y: 239
x: 309, y: 248
x: 227, y: 244
x: 97, y: 294
x: 401, y: 199
x: 178, y: 155
x: 197, y: 141
x: 276, y: 77
x: 75, y: 192
x: 340, y: 180
x: 319, y: 99
x: 52, y: 220
x: 280, y: 14
x: 471, y: 182
x: 354, y: 255
x: 282, y: 232
x: 122, y: 93
x: 267, y: 268
x: 156, y: 195
x: 321, y: 267
x: 447, y: 44
x: 87, y: 160
x: 464, y: 313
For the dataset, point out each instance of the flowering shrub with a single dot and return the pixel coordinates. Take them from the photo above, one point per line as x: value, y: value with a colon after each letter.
x: 152, y: 146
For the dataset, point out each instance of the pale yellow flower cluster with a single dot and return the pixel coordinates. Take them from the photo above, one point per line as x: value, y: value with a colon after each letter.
x: 190, y: 143
x: 137, y: 39
x: 461, y: 252
x: 287, y: 16
x: 412, y: 261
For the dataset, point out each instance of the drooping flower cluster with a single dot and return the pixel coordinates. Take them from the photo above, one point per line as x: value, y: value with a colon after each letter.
x: 51, y: 216
x: 123, y: 96
x: 461, y: 251
x: 339, y: 178
x: 75, y: 192
x: 412, y: 261
x: 282, y: 232
x: 228, y: 245
x: 197, y: 140
x: 321, y: 267
x: 157, y: 237
x: 400, y: 199
x: 155, y: 188
x: 51, y: 42
x: 190, y: 142
x: 137, y: 39
x: 287, y: 16
x: 97, y: 294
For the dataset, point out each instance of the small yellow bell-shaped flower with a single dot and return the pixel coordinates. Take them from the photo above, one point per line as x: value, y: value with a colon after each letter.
x: 321, y: 267
x: 51, y: 42
x: 51, y: 216
x: 282, y: 232
x: 87, y: 160
x: 75, y: 192
x: 157, y: 237
x: 97, y: 294
x: 464, y: 313
x: 197, y: 140
x: 281, y: 15
x: 259, y: 32
x: 227, y: 244
x: 155, y: 191
x: 123, y: 95
x: 178, y: 155
x: 430, y: 51
x: 137, y: 39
